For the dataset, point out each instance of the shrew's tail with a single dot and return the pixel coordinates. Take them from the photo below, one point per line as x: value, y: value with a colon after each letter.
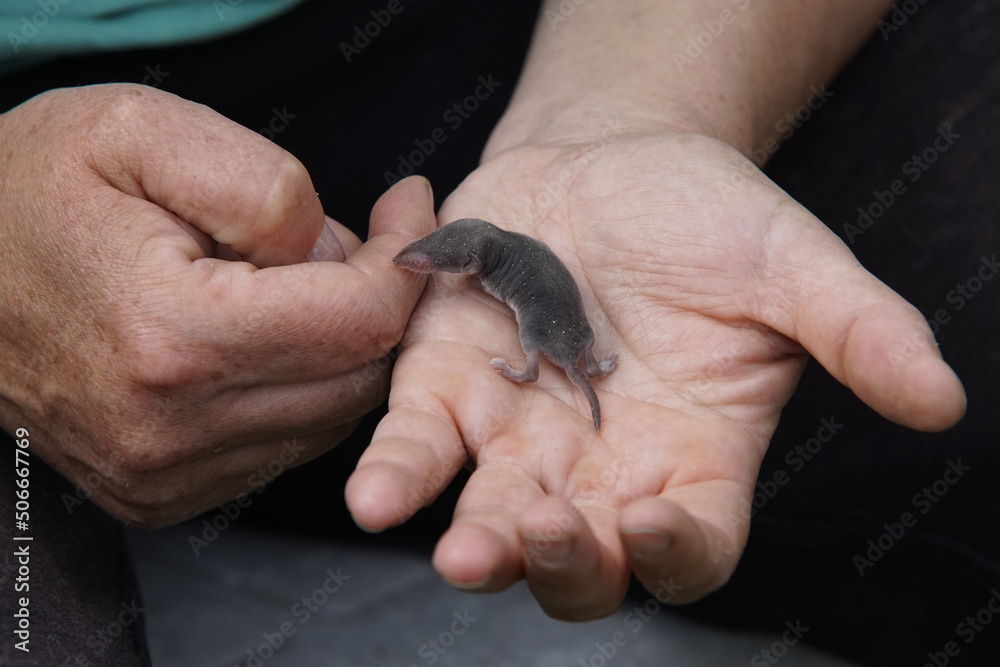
x: 577, y: 377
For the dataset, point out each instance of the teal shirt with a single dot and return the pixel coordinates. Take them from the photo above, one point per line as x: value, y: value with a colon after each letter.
x: 35, y: 30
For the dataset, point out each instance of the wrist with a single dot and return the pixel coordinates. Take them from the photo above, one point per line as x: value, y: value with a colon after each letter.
x: 630, y: 65
x: 590, y: 120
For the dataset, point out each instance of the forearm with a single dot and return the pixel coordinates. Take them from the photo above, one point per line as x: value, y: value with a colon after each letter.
x: 727, y: 68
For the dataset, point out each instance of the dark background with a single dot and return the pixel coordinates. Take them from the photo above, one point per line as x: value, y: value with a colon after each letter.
x: 939, y: 69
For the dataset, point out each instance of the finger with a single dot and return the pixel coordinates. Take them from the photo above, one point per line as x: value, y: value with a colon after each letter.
x: 284, y: 410
x: 161, y: 491
x: 481, y: 551
x: 677, y: 556
x: 440, y: 410
x: 334, y: 243
x: 401, y: 471
x: 224, y: 179
x: 310, y: 321
x: 862, y: 332
x: 352, y: 313
x: 573, y: 574
x: 366, y: 315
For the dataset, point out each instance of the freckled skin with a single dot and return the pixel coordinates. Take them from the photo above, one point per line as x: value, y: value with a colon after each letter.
x: 527, y: 276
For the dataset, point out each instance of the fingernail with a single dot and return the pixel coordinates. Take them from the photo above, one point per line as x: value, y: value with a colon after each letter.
x: 327, y: 248
x: 373, y: 531
x: 468, y: 585
x: 649, y: 542
x: 551, y: 553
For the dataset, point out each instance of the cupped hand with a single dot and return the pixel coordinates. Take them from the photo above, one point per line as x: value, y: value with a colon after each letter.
x: 159, y: 378
x: 711, y: 285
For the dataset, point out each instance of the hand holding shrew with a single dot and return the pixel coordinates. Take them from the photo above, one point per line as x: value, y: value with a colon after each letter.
x: 526, y: 275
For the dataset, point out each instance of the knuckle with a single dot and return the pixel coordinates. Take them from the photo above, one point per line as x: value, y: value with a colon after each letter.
x: 385, y: 321
x: 134, y: 490
x: 158, y: 366
x: 159, y: 356
x: 290, y: 191
x: 147, y: 440
x: 139, y: 482
x: 133, y: 456
x: 382, y: 337
x: 117, y: 109
x: 589, y: 612
x: 127, y: 101
x: 139, y: 514
x: 147, y: 514
x: 374, y: 329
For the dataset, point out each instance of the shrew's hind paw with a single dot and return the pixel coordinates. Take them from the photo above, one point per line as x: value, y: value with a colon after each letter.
x: 529, y: 374
x: 608, y: 364
x: 505, y: 370
x: 597, y: 369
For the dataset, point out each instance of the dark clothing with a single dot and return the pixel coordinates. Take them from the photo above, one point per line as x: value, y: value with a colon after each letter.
x: 880, y: 540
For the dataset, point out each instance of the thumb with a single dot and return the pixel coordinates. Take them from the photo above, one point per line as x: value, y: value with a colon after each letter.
x: 226, y: 181
x: 864, y: 333
x: 396, y: 221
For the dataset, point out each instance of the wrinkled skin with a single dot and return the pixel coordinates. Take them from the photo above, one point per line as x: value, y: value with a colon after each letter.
x: 158, y: 378
x: 712, y: 286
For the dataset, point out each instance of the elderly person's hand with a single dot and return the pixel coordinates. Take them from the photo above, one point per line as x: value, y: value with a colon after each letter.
x: 159, y: 378
x: 707, y: 280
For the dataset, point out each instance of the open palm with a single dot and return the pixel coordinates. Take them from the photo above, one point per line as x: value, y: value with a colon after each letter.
x: 711, y: 285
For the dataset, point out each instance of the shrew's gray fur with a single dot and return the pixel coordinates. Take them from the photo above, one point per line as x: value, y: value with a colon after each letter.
x: 526, y: 275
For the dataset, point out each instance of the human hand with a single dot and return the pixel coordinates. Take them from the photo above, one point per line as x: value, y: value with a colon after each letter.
x: 157, y: 377
x: 711, y: 285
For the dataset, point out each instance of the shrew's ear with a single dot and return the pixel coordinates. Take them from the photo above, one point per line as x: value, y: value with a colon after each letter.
x: 472, y: 263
